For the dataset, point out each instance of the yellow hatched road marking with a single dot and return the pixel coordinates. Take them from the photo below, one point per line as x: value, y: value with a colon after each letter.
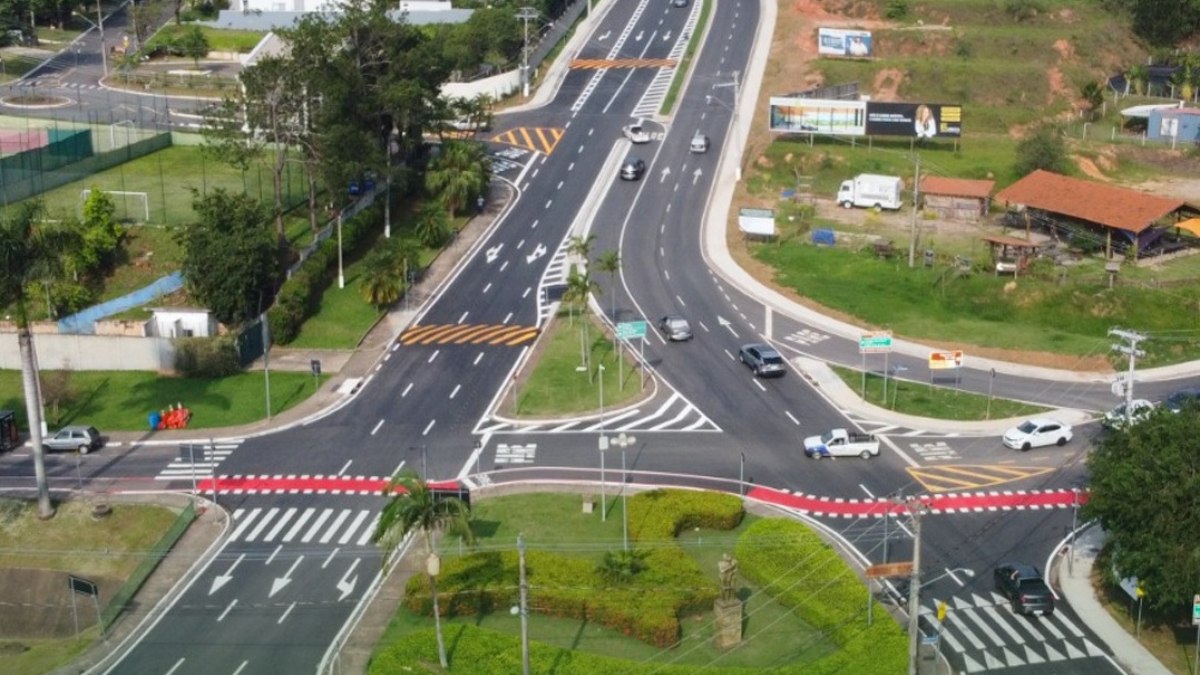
x: 537, y: 139
x: 947, y: 477
x: 457, y: 334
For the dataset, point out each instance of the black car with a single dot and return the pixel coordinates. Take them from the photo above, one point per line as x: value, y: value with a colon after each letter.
x: 1023, y: 586
x: 762, y: 359
x: 1182, y: 399
x: 633, y: 168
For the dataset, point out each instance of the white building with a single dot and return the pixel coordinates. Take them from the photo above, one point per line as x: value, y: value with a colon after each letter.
x: 180, y: 322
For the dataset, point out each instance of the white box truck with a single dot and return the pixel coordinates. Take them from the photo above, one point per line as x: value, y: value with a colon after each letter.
x: 871, y: 191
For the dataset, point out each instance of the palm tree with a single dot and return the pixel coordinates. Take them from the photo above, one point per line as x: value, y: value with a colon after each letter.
x: 610, y: 263
x: 459, y: 174
x: 579, y: 287
x: 1138, y: 76
x: 30, y: 255
x: 432, y: 226
x: 414, y: 508
x: 382, y: 283
x: 581, y: 246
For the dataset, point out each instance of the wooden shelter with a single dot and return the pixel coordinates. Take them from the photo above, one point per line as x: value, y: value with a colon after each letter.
x: 1010, y: 254
x: 956, y: 198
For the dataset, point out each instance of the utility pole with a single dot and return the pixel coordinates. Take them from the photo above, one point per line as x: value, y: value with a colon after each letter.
x: 916, y: 508
x: 1132, y: 352
x: 912, y: 234
x: 525, y: 14
x: 524, y: 606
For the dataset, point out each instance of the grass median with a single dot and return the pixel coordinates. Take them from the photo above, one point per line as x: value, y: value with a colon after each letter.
x: 923, y: 400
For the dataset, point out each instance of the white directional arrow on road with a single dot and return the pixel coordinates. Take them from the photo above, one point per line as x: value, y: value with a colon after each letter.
x: 639, y: 36
x: 665, y: 172
x: 604, y: 37
x: 284, y: 580
x: 726, y: 323
x: 493, y: 253
x: 696, y: 175
x: 667, y: 37
x: 222, y: 579
x: 346, y: 586
x: 537, y: 253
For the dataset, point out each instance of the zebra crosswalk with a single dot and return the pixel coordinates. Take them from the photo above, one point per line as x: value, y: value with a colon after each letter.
x: 304, y: 525
x: 197, y: 460
x: 675, y: 413
x: 981, y: 633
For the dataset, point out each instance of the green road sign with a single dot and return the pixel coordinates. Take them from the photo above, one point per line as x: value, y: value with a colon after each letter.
x: 631, y: 329
x: 872, y: 343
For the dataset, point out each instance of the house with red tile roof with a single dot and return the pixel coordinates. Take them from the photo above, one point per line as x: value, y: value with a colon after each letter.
x: 956, y: 198
x: 1129, y: 216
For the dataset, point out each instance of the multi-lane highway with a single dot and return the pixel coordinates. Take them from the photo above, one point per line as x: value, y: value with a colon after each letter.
x: 298, y: 560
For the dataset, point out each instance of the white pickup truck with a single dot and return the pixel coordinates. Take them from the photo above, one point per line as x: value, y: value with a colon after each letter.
x: 841, y: 443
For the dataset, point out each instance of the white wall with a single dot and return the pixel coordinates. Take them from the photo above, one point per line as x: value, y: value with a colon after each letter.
x: 496, y: 86
x: 92, y: 352
x: 172, y: 324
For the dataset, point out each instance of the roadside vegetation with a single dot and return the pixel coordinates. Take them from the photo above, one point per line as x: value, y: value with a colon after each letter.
x: 36, y: 553
x: 1023, y: 71
x: 942, y: 402
x: 590, y: 600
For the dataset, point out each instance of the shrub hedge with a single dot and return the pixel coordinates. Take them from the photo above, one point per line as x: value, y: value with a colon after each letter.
x: 647, y: 608
x: 796, y: 567
x: 300, y: 297
x: 663, y: 514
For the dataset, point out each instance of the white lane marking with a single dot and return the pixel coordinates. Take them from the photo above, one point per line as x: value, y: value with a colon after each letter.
x: 571, y: 166
x: 520, y: 243
x: 308, y: 513
x: 333, y: 527
x: 353, y: 527
x: 287, y: 517
x: 526, y: 293
x: 864, y: 489
x: 377, y: 425
x: 503, y: 265
x: 455, y: 392
x: 681, y: 302
x: 406, y: 390
x: 535, y: 224
x: 241, y: 667
x: 286, y: 612
x: 477, y: 359
x: 758, y: 384
x: 232, y: 604
x: 271, y: 558
x: 950, y: 573
x: 329, y: 558
x: 428, y: 427
x: 507, y: 318
x: 549, y: 202
x: 433, y: 356
x: 706, y: 330
x: 793, y: 419
x: 560, y: 184
x: 179, y: 663
x: 463, y: 317
x: 667, y: 275
x: 345, y: 466
x: 488, y: 287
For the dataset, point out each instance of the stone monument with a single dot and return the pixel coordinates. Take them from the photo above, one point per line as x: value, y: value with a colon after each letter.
x: 727, y: 608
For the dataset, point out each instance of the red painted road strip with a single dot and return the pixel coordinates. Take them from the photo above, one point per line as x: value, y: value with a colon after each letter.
x: 961, y: 502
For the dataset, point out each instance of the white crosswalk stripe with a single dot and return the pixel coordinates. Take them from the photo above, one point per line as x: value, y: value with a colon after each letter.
x: 981, y: 633
x: 674, y: 413
x: 198, y: 460
x: 288, y: 525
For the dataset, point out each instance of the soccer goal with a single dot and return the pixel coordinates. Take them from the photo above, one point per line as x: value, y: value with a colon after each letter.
x: 131, y: 206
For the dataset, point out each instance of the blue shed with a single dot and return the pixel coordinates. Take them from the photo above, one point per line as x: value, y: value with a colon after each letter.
x: 1178, y: 124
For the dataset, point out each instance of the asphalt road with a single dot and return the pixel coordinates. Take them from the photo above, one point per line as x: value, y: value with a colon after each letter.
x: 296, y: 565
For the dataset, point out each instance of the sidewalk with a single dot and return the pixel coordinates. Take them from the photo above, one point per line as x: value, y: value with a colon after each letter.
x: 1075, y: 581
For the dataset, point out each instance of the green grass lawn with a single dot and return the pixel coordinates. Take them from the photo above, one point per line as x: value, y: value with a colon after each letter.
x: 168, y: 178
x: 1038, y: 314
x: 219, y: 39
x: 16, y: 65
x: 121, y: 400
x: 555, y: 522
x: 106, y: 551
x: 343, y: 316
x: 923, y: 400
x: 555, y: 387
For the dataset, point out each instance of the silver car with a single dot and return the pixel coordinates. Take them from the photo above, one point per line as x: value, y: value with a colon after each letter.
x: 762, y: 359
x: 675, y: 328
x: 81, y: 438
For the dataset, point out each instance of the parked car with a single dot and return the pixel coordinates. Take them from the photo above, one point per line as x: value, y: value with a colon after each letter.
x: 1038, y: 432
x: 762, y: 359
x: 1023, y: 586
x: 636, y: 133
x: 675, y: 328
x: 1115, y: 418
x: 633, y: 168
x: 1182, y: 398
x: 76, y: 437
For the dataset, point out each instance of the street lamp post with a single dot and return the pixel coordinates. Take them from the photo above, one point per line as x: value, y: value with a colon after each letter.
x: 341, y: 270
x: 525, y: 14
x: 603, y: 444
x: 623, y: 441
x: 737, y: 88
x: 99, y: 26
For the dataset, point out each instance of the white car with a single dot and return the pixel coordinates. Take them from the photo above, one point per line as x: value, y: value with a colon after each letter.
x: 1115, y: 418
x: 635, y: 133
x: 1038, y: 432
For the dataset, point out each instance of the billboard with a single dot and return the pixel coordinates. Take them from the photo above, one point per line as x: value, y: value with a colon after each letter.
x: 839, y: 42
x: 945, y: 360
x: 922, y: 120
x: 793, y: 115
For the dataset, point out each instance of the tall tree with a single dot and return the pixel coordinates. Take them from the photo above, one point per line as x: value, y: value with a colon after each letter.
x: 1145, y: 483
x: 609, y: 262
x: 230, y: 256
x: 459, y: 174
x: 386, y: 269
x: 1043, y: 148
x: 1092, y: 96
x: 415, y: 509
x: 30, y: 254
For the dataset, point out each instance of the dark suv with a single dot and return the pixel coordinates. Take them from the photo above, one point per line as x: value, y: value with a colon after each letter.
x: 1181, y: 399
x: 762, y: 359
x: 1023, y: 586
